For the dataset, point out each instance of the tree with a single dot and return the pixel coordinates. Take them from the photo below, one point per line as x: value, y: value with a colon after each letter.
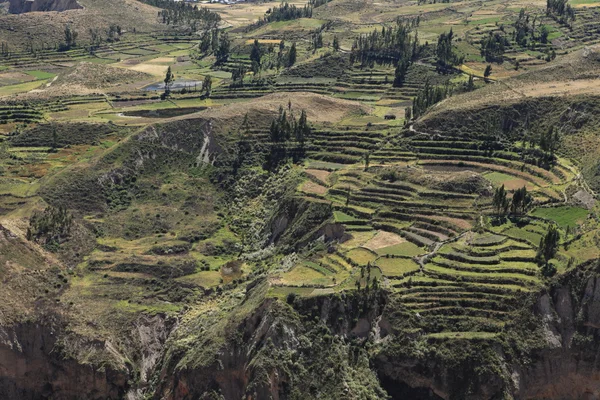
x: 291, y: 59
x: 500, y: 201
x: 470, y: 84
x: 407, y: 114
x: 168, y: 81
x: 224, y: 47
x: 446, y: 58
x: 207, y: 85
x: 544, y: 32
x: 487, y: 72
x: 548, y: 244
x: 492, y: 47
x: 366, y: 161
x: 70, y: 39
x: 400, y: 73
x: 256, y: 52
x: 521, y: 201
x: 336, y: 44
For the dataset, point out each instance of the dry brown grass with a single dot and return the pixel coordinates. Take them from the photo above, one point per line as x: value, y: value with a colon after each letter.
x: 573, y: 74
x: 48, y: 27
x: 97, y: 76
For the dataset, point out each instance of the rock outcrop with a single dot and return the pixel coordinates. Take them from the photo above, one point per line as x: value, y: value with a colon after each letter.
x: 25, y: 6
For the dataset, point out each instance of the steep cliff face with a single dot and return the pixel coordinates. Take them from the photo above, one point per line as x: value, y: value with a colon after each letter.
x: 43, y: 360
x: 283, y: 352
x: 32, y: 368
x: 552, y: 354
x: 25, y: 6
x: 569, y: 366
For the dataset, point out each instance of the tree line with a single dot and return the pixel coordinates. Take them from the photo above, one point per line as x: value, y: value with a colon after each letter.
x: 387, y: 46
x: 560, y: 10
x: 427, y: 97
x: 284, y: 128
x: 182, y: 13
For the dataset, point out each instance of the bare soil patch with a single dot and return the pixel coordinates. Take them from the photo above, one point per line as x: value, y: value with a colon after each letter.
x: 311, y: 187
x: 383, y: 239
x: 320, y: 174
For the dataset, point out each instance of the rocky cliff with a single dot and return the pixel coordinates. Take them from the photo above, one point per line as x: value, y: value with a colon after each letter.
x: 333, y: 345
x: 24, y: 6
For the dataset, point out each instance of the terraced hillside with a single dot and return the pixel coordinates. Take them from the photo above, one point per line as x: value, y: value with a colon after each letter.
x: 345, y: 199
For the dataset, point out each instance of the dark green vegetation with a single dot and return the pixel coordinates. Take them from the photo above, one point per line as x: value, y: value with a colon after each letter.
x: 328, y: 199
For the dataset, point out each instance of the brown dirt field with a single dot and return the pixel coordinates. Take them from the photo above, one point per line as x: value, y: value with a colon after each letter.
x: 461, y: 223
x: 11, y: 78
x: 319, y: 108
x: 311, y: 187
x: 320, y: 174
x: 383, y: 239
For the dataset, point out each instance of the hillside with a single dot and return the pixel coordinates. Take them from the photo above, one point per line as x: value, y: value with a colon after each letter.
x: 311, y: 200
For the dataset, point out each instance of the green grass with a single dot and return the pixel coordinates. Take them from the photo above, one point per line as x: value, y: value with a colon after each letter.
x: 40, y: 74
x: 19, y: 88
x: 340, y: 216
x: 396, y: 266
x: 565, y: 216
x: 462, y: 335
x: 361, y: 256
x: 407, y: 249
x: 520, y: 233
x: 303, y: 275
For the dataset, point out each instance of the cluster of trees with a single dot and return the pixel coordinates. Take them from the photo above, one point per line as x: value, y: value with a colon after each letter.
x: 445, y: 56
x: 4, y: 49
x: 262, y: 58
x: 286, y: 12
x: 547, y: 250
x: 525, y: 30
x: 560, y: 10
x: 284, y: 128
x: 542, y: 147
x: 519, y: 204
x: 428, y: 96
x: 387, y: 46
x: 237, y: 76
x: 214, y: 41
x: 492, y: 47
x: 113, y: 34
x: 548, y: 142
x: 185, y: 14
x: 51, y: 226
x: 70, y: 39
x: 369, y: 283
x: 317, y: 39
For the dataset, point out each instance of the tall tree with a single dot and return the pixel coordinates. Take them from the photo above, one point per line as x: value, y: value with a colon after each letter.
x: 169, y: 77
x: 548, y: 244
x: 292, y: 55
x: 207, y: 85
